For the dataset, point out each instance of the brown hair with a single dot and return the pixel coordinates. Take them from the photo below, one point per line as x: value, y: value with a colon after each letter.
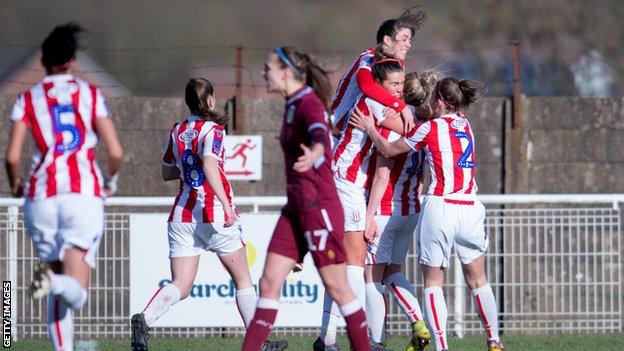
x: 459, y: 94
x: 196, y: 97
x: 418, y: 88
x: 308, y: 70
x: 383, y: 68
x: 412, y: 19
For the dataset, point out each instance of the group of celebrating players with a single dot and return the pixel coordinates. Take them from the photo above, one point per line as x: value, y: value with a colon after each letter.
x: 354, y: 164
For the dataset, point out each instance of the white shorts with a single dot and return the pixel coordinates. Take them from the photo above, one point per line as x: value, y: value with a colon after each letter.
x: 63, y: 221
x: 353, y: 203
x: 189, y: 239
x: 445, y: 223
x: 392, y: 244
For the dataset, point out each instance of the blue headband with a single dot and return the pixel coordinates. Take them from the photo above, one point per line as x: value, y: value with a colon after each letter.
x: 282, y: 55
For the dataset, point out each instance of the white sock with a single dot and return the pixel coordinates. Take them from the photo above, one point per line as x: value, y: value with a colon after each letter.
x: 403, y: 293
x: 161, y: 301
x: 435, y: 315
x: 60, y: 324
x: 486, y: 309
x: 355, y: 276
x: 246, y: 300
x: 376, y: 311
x: 68, y: 289
x: 331, y: 315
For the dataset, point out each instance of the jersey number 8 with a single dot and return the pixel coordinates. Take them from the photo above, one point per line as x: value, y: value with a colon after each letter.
x: 192, y: 166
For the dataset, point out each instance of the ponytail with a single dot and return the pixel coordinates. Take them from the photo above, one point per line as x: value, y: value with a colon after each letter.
x: 196, y: 97
x: 459, y: 94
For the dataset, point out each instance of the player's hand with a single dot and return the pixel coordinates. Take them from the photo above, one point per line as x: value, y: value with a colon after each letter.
x: 18, y: 188
x: 408, y: 119
x: 231, y: 216
x: 110, y: 185
x: 370, y: 230
x: 388, y: 113
x: 305, y: 162
x: 361, y: 121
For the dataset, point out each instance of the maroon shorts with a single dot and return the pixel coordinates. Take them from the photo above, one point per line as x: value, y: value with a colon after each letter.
x: 319, y: 230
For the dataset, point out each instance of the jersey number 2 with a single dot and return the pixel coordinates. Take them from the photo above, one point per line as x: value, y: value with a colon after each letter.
x: 463, y: 159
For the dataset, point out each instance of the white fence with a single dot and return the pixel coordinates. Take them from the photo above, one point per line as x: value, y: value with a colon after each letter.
x: 554, y: 263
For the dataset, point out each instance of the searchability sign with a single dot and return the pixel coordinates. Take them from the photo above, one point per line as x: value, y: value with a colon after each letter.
x: 212, y: 299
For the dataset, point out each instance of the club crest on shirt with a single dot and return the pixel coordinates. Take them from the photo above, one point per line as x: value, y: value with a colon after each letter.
x: 290, y: 114
x: 62, y: 89
x: 188, y: 136
x: 459, y: 123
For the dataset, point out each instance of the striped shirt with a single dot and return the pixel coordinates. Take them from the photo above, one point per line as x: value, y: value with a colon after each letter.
x: 61, y: 112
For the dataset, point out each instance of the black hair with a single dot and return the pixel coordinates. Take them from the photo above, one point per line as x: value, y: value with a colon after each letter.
x: 383, y: 68
x: 60, y: 46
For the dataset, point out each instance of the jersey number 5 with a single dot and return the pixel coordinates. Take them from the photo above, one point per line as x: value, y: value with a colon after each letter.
x: 463, y: 159
x: 63, y: 128
x: 318, y: 233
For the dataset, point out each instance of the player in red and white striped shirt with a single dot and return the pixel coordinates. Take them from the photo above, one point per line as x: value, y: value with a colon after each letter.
x: 202, y: 216
x: 63, y: 211
x: 394, y: 38
x: 451, y: 214
x: 391, y: 218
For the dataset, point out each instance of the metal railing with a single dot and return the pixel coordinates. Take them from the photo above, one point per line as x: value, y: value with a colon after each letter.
x: 554, y: 263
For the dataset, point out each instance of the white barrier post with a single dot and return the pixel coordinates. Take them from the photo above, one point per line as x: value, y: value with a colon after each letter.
x: 460, y: 298
x: 12, y: 215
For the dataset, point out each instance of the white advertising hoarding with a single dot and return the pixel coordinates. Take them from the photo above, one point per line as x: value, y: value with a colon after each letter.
x: 211, y: 302
x: 243, y: 157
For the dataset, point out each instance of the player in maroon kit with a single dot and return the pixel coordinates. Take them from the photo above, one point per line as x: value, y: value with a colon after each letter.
x: 312, y: 219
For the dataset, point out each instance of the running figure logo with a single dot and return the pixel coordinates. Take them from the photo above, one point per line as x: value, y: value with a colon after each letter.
x: 243, y: 157
x: 240, y: 150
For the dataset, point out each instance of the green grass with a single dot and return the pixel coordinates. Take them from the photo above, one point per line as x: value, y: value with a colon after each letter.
x: 567, y: 342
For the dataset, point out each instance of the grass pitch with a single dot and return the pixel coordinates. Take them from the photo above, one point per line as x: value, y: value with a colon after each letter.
x: 563, y: 342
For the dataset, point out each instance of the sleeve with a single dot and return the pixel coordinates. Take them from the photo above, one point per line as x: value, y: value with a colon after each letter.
x: 101, y: 106
x: 19, y: 110
x: 213, y: 142
x: 416, y: 138
x: 168, y: 157
x: 376, y: 110
x: 367, y: 85
x: 315, y: 120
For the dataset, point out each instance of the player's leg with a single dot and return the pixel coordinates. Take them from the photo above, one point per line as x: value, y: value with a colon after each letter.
x: 236, y: 264
x: 276, y: 269
x: 375, y: 302
x: 283, y: 253
x: 471, y: 245
x: 325, y: 238
x: 436, y: 229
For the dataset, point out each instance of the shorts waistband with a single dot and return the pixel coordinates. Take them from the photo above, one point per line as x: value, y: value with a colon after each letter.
x: 459, y: 202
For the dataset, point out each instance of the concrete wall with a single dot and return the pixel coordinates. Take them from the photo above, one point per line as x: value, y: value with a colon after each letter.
x: 566, y: 145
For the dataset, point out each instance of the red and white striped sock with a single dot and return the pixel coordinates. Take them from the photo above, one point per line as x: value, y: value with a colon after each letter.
x: 246, y: 300
x: 60, y: 324
x: 376, y: 311
x: 487, y: 310
x: 161, y: 301
x: 403, y: 293
x: 357, y: 328
x: 436, y: 315
x: 261, y: 324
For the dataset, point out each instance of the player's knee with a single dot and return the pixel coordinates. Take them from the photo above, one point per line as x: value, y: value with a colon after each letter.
x: 268, y: 286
